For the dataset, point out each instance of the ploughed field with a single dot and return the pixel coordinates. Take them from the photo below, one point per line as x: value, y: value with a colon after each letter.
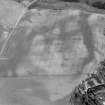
x: 45, y: 53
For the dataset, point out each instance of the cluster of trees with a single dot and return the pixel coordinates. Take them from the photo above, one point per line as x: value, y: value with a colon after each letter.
x: 99, y: 4
x: 22, y: 0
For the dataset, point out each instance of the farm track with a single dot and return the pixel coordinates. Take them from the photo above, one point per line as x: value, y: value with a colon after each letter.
x: 9, y: 36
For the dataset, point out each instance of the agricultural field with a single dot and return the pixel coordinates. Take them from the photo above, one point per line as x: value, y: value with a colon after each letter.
x: 45, y: 53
